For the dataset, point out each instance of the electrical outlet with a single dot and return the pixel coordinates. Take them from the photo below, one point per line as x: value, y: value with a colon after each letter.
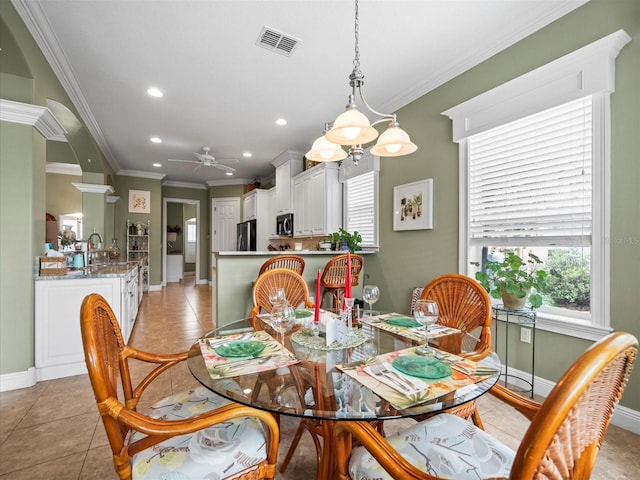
x: 525, y: 335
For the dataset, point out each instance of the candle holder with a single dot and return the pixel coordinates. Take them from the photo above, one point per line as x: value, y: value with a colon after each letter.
x: 348, y: 311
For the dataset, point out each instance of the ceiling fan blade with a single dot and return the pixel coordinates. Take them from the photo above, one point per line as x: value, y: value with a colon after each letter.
x: 222, y: 167
x: 180, y: 160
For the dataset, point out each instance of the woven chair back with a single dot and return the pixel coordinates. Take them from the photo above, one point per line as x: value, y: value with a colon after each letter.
x: 292, y: 262
x: 295, y: 288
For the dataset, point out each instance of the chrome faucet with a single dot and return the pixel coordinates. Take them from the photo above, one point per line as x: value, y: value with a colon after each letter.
x: 89, y: 243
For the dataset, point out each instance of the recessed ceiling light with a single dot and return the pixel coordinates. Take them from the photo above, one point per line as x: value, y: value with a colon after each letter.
x: 156, y: 139
x: 154, y: 92
x: 281, y: 121
x: 157, y: 164
x: 247, y: 154
x: 229, y: 173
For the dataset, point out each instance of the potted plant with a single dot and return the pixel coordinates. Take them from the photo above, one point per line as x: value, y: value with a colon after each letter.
x: 512, y: 280
x: 172, y: 232
x: 343, y: 240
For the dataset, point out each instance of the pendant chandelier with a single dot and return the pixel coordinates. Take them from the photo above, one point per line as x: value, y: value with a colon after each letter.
x: 353, y: 129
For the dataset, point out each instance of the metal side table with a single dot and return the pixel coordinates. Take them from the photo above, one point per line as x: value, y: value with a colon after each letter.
x: 523, y: 317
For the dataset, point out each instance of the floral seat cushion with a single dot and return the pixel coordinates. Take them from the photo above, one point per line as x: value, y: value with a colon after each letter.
x: 444, y: 446
x: 214, y: 453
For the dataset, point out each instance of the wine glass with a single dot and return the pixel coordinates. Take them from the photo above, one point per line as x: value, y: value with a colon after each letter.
x: 370, y: 294
x: 283, y: 317
x: 426, y: 312
x: 276, y: 295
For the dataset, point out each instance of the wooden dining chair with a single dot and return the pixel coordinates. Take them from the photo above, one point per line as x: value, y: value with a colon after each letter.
x: 292, y: 262
x: 193, y: 434
x: 562, y: 441
x: 297, y: 294
x: 295, y: 288
x: 465, y: 305
x: 334, y: 276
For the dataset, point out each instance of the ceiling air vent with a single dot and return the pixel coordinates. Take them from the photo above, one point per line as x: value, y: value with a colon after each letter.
x: 275, y: 41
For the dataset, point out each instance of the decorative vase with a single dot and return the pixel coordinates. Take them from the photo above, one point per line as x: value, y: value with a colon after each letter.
x: 172, y: 236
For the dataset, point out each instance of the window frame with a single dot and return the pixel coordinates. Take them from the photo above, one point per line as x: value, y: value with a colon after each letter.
x: 587, y: 71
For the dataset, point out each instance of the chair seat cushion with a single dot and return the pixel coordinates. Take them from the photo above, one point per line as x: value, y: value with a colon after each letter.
x: 214, y: 453
x: 444, y: 446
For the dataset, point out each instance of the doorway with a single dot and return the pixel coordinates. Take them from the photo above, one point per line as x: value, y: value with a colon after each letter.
x: 194, y: 245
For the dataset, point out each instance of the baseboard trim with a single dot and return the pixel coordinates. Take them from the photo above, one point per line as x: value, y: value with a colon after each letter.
x: 623, y: 417
x: 17, y: 380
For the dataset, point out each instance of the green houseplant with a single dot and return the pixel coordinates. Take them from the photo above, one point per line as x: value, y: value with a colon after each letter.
x: 344, y: 240
x: 513, y: 278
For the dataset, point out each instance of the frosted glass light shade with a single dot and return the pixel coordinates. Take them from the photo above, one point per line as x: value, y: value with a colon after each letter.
x: 394, y: 142
x: 323, y: 150
x: 351, y: 128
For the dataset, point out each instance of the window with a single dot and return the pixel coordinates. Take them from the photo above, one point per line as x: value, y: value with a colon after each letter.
x: 360, y: 195
x: 534, y: 166
x: 190, y: 241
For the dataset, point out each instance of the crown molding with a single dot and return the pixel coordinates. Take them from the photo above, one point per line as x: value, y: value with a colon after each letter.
x: 93, y: 188
x: 64, y: 168
x: 139, y: 174
x: 197, y: 186
x: 234, y: 181
x: 112, y: 198
x: 39, y: 117
x: 36, y: 22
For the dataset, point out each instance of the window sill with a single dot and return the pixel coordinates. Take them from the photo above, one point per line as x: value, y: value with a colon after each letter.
x: 570, y: 327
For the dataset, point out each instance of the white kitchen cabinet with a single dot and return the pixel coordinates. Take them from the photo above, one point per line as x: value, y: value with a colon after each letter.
x: 249, y: 205
x: 271, y: 219
x: 288, y: 165
x: 317, y: 201
x: 257, y: 201
x: 58, y: 341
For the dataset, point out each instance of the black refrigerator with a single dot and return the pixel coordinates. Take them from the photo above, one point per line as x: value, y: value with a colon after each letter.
x: 246, y: 236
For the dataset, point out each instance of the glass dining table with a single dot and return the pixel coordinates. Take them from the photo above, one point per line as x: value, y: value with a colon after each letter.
x: 327, y: 384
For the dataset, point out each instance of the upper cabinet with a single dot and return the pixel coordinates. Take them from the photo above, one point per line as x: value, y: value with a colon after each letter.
x: 256, y: 206
x: 271, y: 220
x: 317, y: 200
x: 288, y: 164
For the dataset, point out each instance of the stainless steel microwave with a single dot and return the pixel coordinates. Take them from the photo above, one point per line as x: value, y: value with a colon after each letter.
x: 284, y: 225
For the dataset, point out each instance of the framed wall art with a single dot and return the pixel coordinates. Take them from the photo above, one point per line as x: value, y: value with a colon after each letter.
x: 413, y: 205
x: 139, y: 201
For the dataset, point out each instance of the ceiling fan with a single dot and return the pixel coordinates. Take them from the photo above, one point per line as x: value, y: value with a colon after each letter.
x: 208, y: 160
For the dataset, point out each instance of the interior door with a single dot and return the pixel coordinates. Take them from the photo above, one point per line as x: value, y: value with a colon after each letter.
x: 226, y: 216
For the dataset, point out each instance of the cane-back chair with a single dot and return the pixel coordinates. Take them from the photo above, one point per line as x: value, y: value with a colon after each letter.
x: 193, y: 434
x: 463, y: 304
x: 292, y: 262
x: 334, y: 277
x: 561, y: 443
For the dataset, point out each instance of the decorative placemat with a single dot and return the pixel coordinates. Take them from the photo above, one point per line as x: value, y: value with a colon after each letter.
x: 307, y: 339
x: 462, y: 374
x: 412, y: 333
x: 234, y: 364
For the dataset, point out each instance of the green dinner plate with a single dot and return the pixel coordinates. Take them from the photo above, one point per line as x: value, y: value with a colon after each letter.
x: 422, y: 367
x: 240, y: 349
x: 403, y: 322
x: 303, y: 313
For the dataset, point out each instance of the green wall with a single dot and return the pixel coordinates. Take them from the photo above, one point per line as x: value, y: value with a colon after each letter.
x: 407, y: 259
x: 410, y: 259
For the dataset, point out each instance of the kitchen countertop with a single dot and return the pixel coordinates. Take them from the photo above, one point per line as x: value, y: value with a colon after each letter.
x: 287, y: 252
x: 109, y: 270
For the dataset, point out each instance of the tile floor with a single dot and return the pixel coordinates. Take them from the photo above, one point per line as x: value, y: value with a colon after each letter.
x: 52, y: 430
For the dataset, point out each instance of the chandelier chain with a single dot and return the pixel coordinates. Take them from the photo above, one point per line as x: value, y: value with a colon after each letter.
x: 356, y: 59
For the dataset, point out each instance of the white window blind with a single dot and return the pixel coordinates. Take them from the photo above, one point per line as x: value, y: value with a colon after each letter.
x: 532, y: 179
x: 360, y: 207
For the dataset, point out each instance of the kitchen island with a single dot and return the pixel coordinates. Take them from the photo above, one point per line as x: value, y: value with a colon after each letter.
x: 234, y: 273
x: 58, y: 341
